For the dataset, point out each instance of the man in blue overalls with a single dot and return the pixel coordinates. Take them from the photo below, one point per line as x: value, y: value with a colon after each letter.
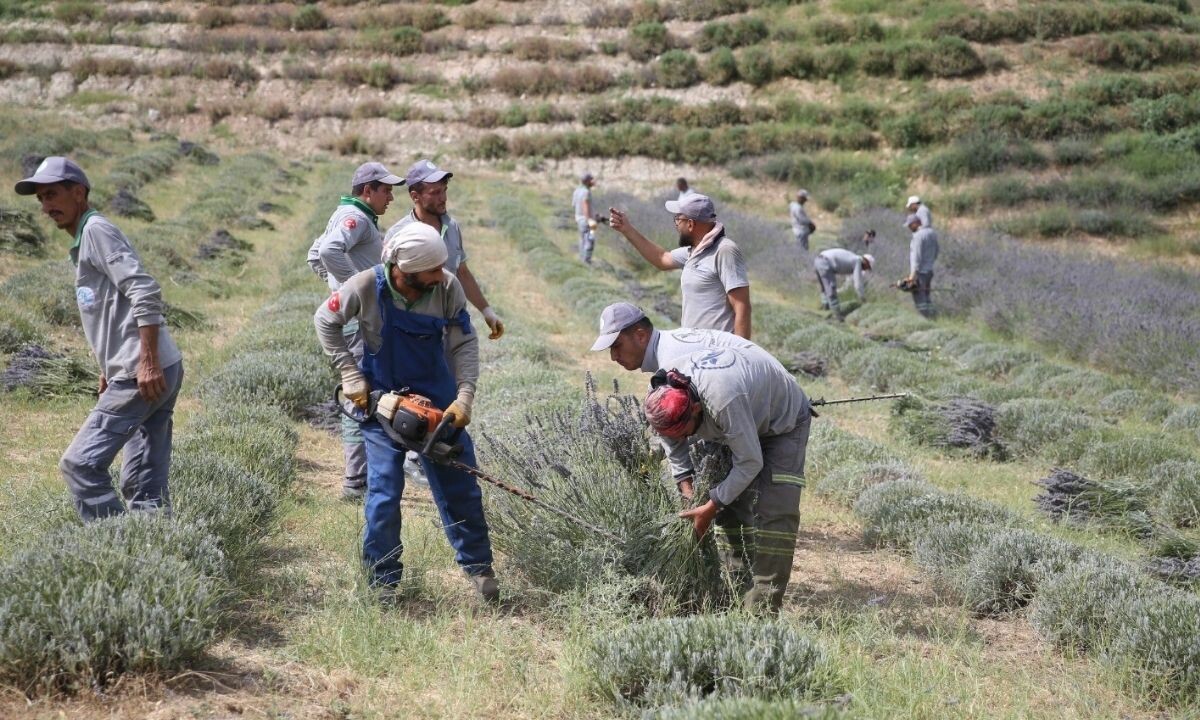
x: 417, y: 334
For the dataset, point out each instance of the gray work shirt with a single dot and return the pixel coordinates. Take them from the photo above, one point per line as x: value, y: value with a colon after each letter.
x: 456, y: 254
x: 357, y: 299
x: 581, y: 195
x: 925, y: 216
x: 116, y: 297
x: 350, y: 244
x: 668, y: 346
x: 746, y: 394
x: 844, y: 262
x: 923, y: 250
x: 801, y: 224
x: 706, y: 281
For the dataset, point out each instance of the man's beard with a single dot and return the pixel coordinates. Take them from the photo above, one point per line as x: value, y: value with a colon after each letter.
x: 684, y: 240
x: 410, y: 280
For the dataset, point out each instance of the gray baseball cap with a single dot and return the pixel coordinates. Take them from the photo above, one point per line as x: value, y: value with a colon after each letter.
x: 912, y: 219
x: 694, y: 206
x: 614, y: 319
x: 375, y: 172
x: 424, y: 171
x: 586, y: 177
x: 53, y: 169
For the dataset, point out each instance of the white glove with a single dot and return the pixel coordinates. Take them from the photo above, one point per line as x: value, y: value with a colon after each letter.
x: 494, y: 323
x: 355, y: 387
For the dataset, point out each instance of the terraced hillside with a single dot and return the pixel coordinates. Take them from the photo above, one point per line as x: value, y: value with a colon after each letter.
x: 1044, y: 120
x: 1016, y: 539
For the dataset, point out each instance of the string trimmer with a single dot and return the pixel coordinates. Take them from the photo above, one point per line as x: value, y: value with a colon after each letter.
x: 414, y: 423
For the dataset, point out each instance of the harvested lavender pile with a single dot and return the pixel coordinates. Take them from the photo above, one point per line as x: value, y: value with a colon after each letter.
x: 48, y: 374
x: 1175, y: 570
x: 961, y: 423
x: 1069, y: 496
x: 598, y: 461
x: 807, y: 362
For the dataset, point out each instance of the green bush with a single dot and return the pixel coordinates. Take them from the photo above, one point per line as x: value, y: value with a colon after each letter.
x: 1176, y: 492
x: 895, y: 513
x: 309, y: 17
x: 747, y: 30
x: 136, y: 593
x: 721, y: 67
x: 1082, y: 607
x: 1129, y: 456
x: 676, y: 69
x: 283, y: 378
x: 259, y: 439
x: 647, y: 41
x: 1159, y: 646
x: 20, y: 234
x: 1137, y: 50
x: 216, y: 493
x: 48, y: 290
x: 662, y: 662
x: 830, y: 448
x: 1004, y: 574
x: 884, y: 369
x: 1026, y: 425
x: 944, y: 549
x: 1130, y: 403
x: 1184, y: 417
x: 848, y: 479
x: 17, y: 327
x: 755, y: 66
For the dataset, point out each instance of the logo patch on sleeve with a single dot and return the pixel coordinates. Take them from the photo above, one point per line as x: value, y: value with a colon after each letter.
x: 351, y: 223
x: 335, y: 302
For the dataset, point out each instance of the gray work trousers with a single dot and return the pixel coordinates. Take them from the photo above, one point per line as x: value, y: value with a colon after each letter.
x: 756, y: 533
x: 123, y: 419
x: 802, y: 237
x: 587, y: 240
x: 353, y: 448
x: 827, y: 276
x: 922, y: 293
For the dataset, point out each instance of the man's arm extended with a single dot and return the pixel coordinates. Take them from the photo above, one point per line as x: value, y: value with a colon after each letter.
x: 654, y: 254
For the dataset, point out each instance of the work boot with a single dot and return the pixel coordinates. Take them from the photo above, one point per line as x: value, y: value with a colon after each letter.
x: 354, y: 492
x: 487, y: 587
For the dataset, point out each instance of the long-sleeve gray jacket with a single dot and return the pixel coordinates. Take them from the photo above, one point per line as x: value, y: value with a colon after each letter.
x: 116, y: 297
x: 746, y: 394
x: 351, y: 243
x: 801, y: 224
x: 923, y: 250
x: 844, y: 262
x: 356, y: 299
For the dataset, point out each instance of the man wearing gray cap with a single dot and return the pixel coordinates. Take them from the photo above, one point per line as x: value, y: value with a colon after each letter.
x: 920, y: 209
x: 633, y: 342
x: 838, y: 261
x: 802, y: 226
x: 350, y: 244
x: 922, y: 252
x: 427, y: 186
x: 581, y: 200
x: 716, y: 289
x: 141, y: 368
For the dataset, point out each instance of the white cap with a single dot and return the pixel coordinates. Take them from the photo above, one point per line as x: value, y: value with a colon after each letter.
x: 913, y: 200
x: 416, y: 248
x: 802, y: 193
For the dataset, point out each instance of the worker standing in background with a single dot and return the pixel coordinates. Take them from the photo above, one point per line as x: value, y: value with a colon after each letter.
x: 922, y: 253
x: 714, y: 282
x: 581, y: 201
x: 830, y: 263
x: 351, y: 243
x: 921, y: 210
x: 802, y: 226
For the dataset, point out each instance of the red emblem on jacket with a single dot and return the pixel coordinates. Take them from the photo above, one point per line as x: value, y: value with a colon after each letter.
x: 351, y: 223
x: 335, y: 302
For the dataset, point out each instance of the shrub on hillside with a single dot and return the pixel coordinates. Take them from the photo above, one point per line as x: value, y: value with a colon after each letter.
x: 282, y: 378
x: 47, y: 290
x: 849, y: 478
x: 748, y: 30
x: 136, y: 593
x: 647, y: 41
x: 884, y: 369
x: 1176, y: 492
x: 960, y: 423
x: 1025, y: 425
x: 309, y: 17
x: 830, y: 448
x: 20, y: 233
x: 1129, y: 403
x: 1183, y: 417
x: 1068, y: 495
x: 669, y: 661
x: 1130, y: 456
x: 17, y: 327
x: 1159, y: 646
x: 895, y: 513
x: 944, y: 549
x: 1137, y: 50
x: 755, y: 66
x: 677, y: 69
x: 233, y: 504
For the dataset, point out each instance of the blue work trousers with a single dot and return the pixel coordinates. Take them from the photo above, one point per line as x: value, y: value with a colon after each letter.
x: 456, y: 494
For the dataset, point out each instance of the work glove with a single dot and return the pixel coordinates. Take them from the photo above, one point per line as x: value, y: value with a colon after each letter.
x: 461, y: 410
x: 494, y: 323
x: 355, y: 387
x: 592, y: 223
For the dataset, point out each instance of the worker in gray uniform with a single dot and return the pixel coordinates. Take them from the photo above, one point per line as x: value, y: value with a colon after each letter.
x: 921, y: 210
x: 141, y: 369
x: 802, y: 226
x: 634, y: 343
x: 417, y: 335
x: 745, y: 399
x: 351, y: 243
x: 714, y: 281
x: 830, y: 263
x: 922, y: 253
x: 581, y: 203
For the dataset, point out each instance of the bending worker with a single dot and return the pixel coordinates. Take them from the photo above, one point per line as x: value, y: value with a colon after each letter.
x: 836, y: 261
x: 922, y: 253
x: 350, y: 244
x: 730, y: 391
x: 714, y: 282
x: 141, y: 369
x: 416, y: 334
